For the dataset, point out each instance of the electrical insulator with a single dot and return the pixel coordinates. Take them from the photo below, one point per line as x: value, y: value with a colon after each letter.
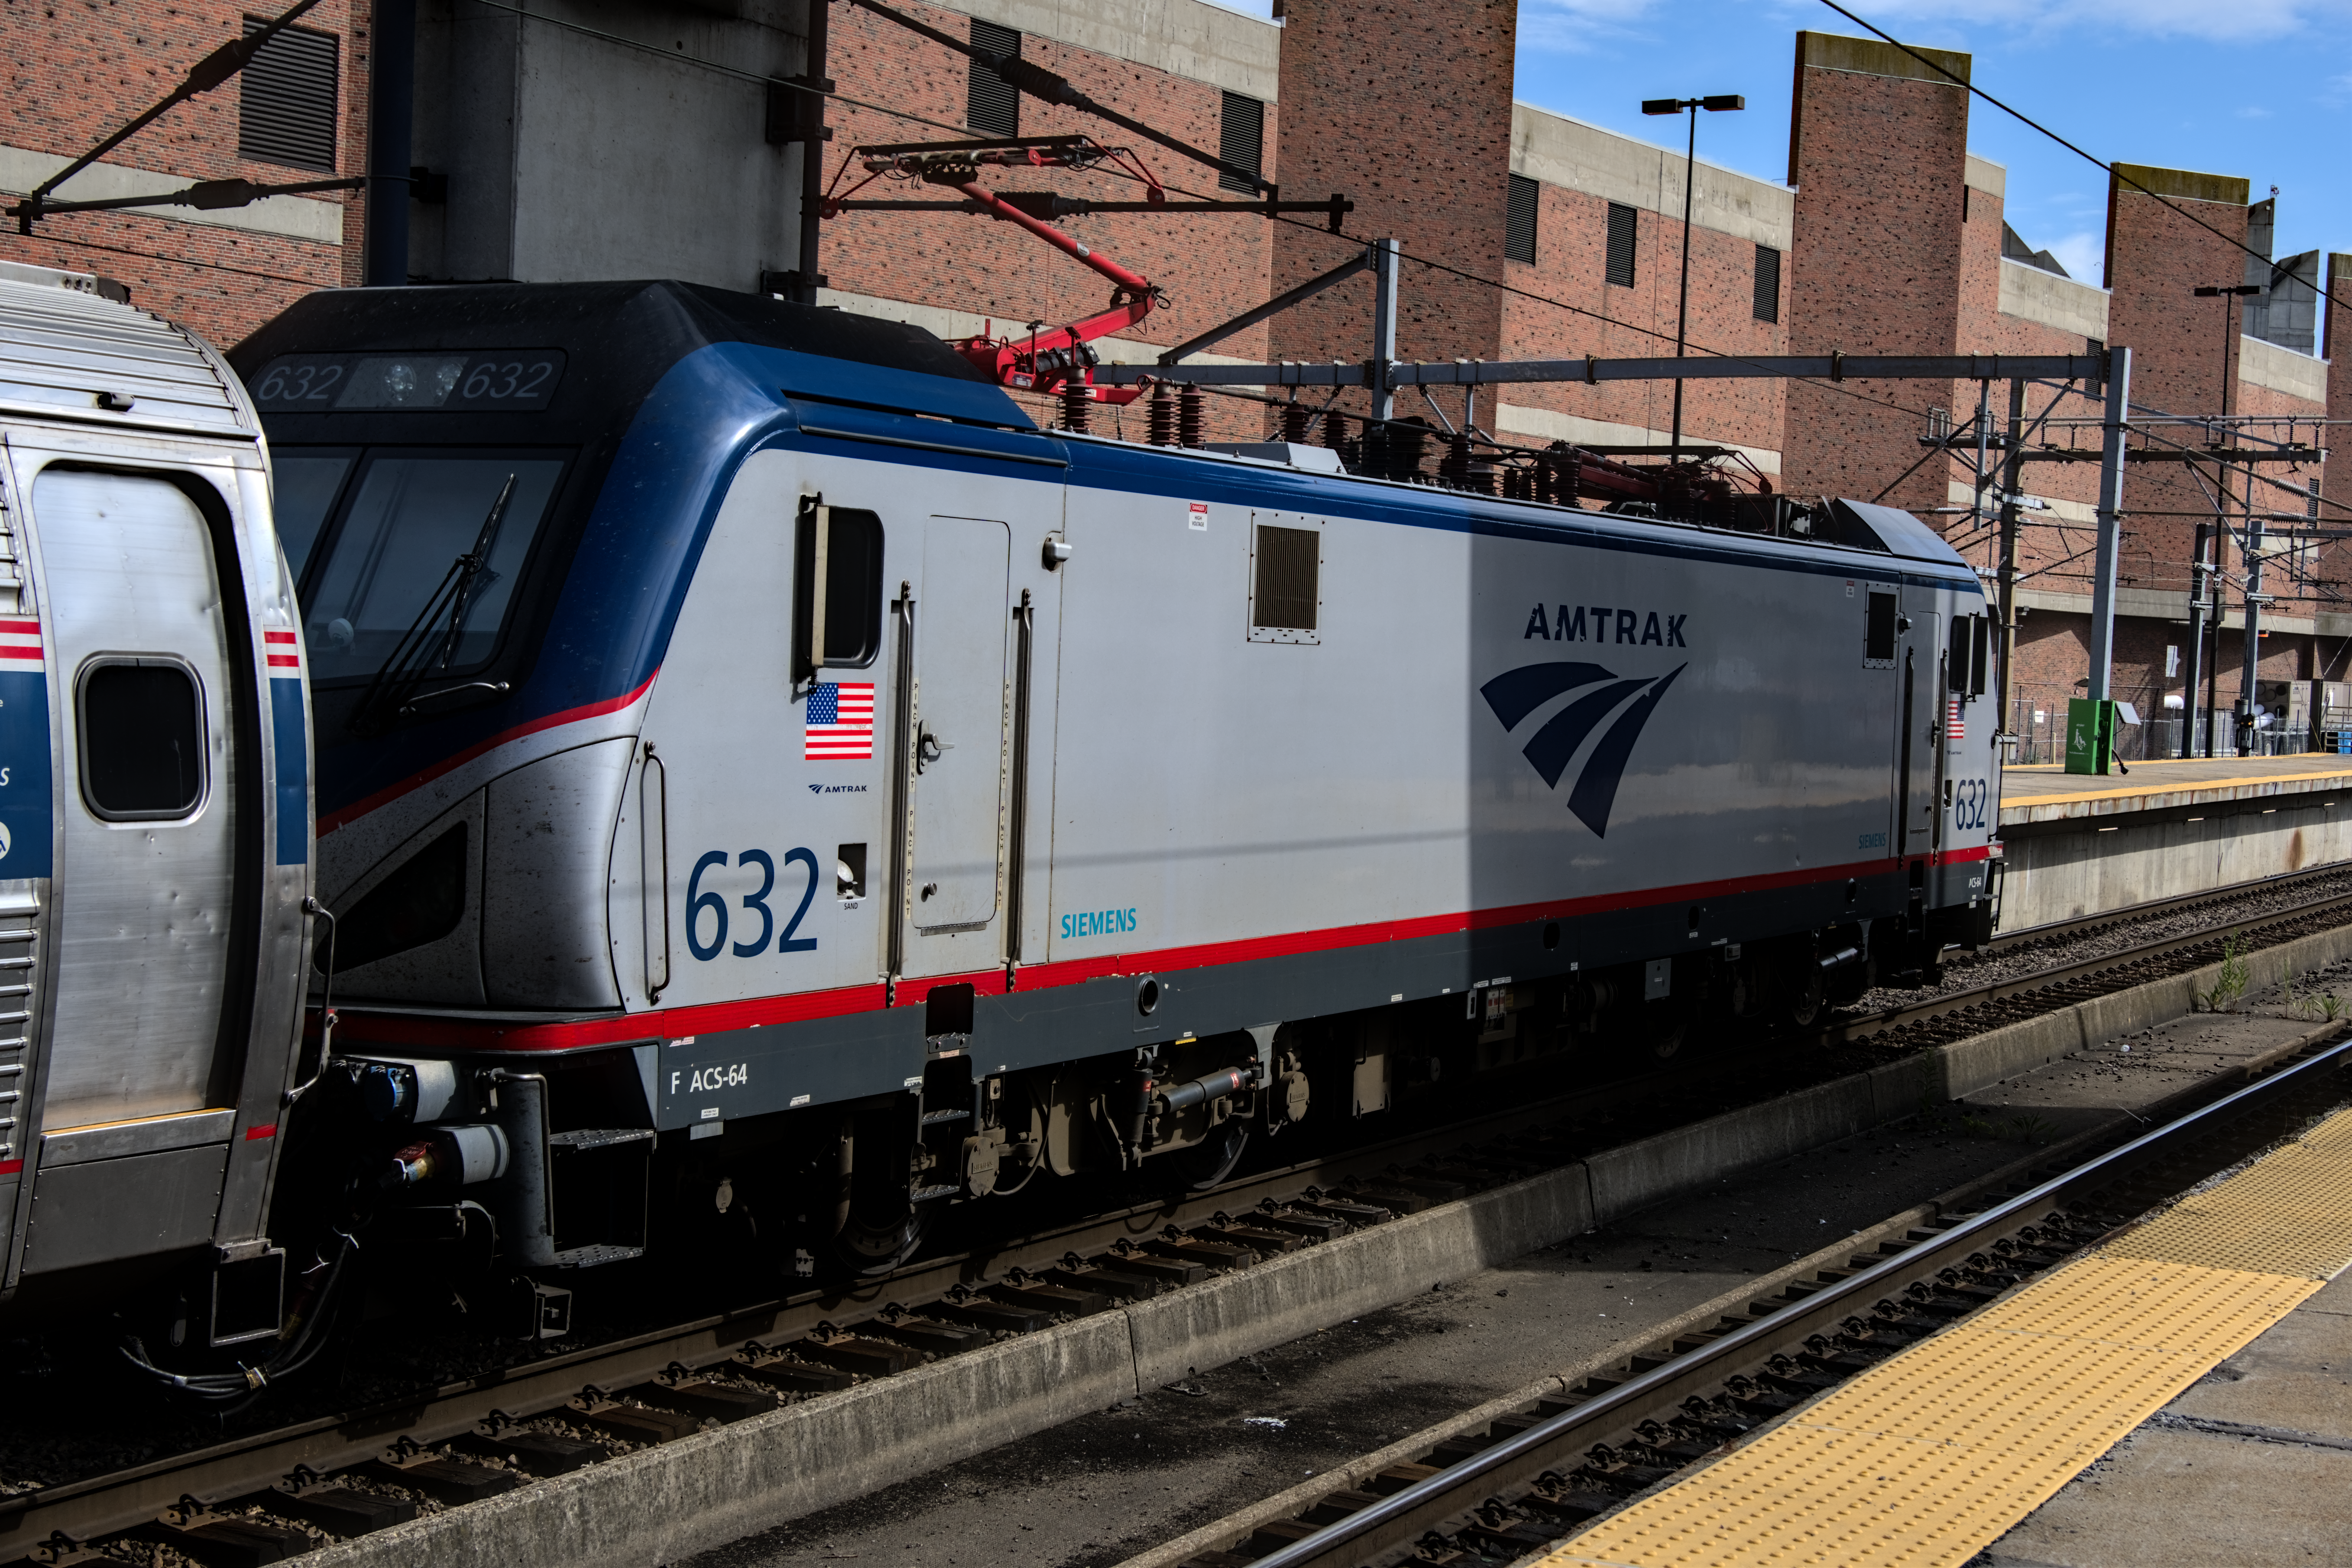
x: 1296, y: 417
x: 1334, y: 430
x: 1191, y: 417
x: 1455, y: 466
x: 1077, y: 402
x: 1162, y: 411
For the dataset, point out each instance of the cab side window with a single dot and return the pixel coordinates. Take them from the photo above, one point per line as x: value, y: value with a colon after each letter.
x: 841, y: 626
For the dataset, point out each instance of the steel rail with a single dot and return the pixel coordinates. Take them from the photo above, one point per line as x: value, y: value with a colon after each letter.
x: 2155, y: 908
x: 101, y: 1504
x: 1379, y: 1527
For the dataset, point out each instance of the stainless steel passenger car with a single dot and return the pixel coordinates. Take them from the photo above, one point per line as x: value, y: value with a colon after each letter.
x: 154, y: 819
x: 761, y: 769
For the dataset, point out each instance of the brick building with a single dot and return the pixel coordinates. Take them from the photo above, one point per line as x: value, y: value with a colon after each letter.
x: 653, y: 137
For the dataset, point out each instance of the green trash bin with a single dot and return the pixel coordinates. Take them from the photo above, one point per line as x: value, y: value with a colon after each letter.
x: 2090, y: 736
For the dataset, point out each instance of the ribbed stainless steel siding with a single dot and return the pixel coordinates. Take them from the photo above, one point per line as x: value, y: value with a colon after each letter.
x: 61, y: 350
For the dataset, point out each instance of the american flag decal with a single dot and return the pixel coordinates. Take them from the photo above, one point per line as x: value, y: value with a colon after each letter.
x: 20, y: 646
x: 1955, y: 726
x: 285, y: 652
x: 840, y: 722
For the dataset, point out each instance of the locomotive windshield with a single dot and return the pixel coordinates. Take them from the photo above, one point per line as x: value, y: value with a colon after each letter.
x: 377, y: 537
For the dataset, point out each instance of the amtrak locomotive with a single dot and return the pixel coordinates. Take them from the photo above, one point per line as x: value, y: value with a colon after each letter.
x: 765, y: 782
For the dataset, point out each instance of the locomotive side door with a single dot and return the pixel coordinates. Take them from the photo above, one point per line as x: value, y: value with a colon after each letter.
x: 147, y: 788
x: 954, y: 627
x: 1918, y: 743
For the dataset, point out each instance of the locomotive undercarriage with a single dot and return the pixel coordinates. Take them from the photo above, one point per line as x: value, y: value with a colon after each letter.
x: 501, y: 1187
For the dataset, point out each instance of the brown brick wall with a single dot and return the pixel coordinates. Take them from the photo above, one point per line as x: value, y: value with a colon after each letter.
x: 1880, y: 162
x: 1409, y: 111
x: 77, y: 70
x: 1212, y: 266
x: 1570, y: 268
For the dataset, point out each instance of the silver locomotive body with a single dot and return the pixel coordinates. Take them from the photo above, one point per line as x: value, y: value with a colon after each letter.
x: 850, y: 799
x: 155, y: 817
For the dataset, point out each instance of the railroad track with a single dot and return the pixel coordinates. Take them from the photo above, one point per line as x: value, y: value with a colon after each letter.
x: 658, y: 1385
x: 2156, y: 909
x: 1956, y: 1014
x: 1482, y: 1499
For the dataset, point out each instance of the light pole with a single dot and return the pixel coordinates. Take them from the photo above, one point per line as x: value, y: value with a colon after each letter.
x: 2250, y: 544
x: 1715, y: 103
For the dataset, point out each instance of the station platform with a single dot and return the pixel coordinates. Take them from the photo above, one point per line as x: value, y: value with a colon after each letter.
x: 2076, y: 845
x: 1973, y: 1440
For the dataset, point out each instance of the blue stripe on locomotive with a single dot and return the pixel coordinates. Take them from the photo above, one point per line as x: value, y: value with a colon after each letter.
x: 645, y: 533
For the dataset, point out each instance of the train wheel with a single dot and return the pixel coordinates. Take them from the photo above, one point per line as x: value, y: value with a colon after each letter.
x: 870, y: 1248
x: 1663, y: 1027
x: 1802, y: 1000
x: 1207, y: 1163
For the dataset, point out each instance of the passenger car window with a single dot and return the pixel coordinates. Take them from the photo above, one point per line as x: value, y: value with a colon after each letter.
x: 143, y: 754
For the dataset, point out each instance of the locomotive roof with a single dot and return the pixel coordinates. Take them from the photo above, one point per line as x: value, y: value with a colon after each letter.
x: 620, y: 339
x: 67, y: 353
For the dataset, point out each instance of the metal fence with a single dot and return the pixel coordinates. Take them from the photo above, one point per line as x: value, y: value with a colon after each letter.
x: 2039, y: 723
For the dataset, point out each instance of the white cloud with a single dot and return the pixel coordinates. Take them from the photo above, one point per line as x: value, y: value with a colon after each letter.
x: 1574, y: 27
x: 2083, y: 256
x: 2239, y: 22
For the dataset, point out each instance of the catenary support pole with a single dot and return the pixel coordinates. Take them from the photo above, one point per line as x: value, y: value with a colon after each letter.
x: 2111, y: 521
x: 1384, y: 339
x: 2251, y: 544
x: 2006, y: 580
x: 1682, y: 310
x: 808, y: 280
x: 392, y: 113
x: 2196, y: 643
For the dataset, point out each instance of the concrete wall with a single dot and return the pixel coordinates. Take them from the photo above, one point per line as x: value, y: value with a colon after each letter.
x: 571, y: 156
x: 2088, y: 865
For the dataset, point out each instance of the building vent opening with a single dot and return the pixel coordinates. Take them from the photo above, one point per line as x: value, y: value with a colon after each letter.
x: 286, y: 112
x: 1241, y: 142
x: 995, y: 106
x: 1768, y: 284
x: 421, y: 902
x: 1520, y: 219
x: 1623, y: 226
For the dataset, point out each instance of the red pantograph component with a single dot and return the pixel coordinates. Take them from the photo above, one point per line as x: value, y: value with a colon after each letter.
x: 1044, y: 359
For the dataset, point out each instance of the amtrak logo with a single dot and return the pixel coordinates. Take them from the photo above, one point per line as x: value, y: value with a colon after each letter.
x: 1516, y: 694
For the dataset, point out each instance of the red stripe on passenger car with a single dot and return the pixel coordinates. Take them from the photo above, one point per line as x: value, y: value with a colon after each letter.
x: 674, y: 1023
x: 423, y: 776
x: 266, y: 1130
x: 10, y: 1167
x: 285, y: 661
x: 22, y: 628
x: 277, y: 636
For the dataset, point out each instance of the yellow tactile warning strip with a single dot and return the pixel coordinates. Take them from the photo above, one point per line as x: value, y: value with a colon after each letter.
x: 1930, y: 1457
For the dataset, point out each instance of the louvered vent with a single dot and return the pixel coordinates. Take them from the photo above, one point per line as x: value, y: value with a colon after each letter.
x: 288, y: 110
x: 995, y: 106
x: 1520, y: 219
x: 1241, y: 142
x: 1622, y: 222
x: 1768, y: 284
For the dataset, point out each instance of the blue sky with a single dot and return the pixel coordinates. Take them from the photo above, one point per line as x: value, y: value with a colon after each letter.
x: 2259, y: 88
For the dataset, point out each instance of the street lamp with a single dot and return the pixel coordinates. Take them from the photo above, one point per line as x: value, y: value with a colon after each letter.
x: 1714, y: 104
x: 2249, y: 542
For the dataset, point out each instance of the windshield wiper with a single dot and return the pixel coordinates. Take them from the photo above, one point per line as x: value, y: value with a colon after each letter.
x: 410, y: 658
